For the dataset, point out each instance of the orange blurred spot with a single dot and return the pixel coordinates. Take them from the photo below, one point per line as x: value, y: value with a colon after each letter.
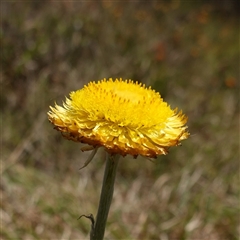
x: 231, y: 82
x: 202, y: 16
x: 194, y: 52
x: 160, y: 52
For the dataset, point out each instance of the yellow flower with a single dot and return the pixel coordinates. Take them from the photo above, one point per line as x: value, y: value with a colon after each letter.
x: 123, y: 116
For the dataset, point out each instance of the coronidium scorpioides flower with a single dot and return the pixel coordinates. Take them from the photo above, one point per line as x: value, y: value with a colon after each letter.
x: 122, y: 116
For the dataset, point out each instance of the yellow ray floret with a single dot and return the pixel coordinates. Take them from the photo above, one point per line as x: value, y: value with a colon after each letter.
x: 123, y: 116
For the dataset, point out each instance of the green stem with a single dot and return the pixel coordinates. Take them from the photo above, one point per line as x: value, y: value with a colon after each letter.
x: 98, y: 230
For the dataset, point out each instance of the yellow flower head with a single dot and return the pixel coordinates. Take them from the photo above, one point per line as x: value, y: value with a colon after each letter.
x: 123, y: 116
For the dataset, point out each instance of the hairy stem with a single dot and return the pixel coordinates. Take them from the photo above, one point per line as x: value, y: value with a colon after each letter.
x: 106, y: 197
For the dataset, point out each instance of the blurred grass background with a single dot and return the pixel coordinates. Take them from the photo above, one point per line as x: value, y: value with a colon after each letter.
x: 188, y: 51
